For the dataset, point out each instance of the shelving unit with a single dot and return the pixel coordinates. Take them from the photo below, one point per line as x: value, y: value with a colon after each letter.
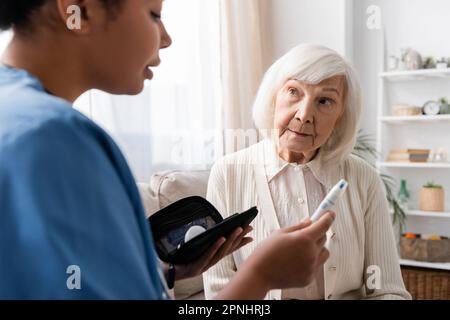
x: 418, y: 165
x: 416, y: 119
x: 416, y: 132
x: 427, y: 265
x: 415, y: 75
x: 428, y: 214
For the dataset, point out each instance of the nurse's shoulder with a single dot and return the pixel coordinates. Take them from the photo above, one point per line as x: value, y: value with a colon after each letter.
x: 27, y: 112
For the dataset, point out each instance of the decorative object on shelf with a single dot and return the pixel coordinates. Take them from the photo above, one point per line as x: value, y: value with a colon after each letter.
x: 365, y: 150
x: 393, y: 63
x: 406, y: 110
x: 431, y: 108
x: 432, y: 197
x: 411, y: 59
x: 429, y: 63
x: 410, y: 235
x: 428, y: 250
x: 444, y: 107
x: 440, y: 156
x: 403, y: 195
x: 409, y: 155
x: 441, y: 64
x: 430, y: 237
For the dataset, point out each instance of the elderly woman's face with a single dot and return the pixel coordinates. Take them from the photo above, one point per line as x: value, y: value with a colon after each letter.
x: 306, y: 114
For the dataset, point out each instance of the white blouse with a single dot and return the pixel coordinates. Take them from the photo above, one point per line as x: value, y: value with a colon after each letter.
x: 296, y: 194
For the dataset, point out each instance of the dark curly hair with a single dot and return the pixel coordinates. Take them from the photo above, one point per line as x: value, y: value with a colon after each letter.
x: 17, y: 13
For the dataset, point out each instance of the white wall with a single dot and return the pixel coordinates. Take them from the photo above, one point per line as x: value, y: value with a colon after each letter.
x: 341, y: 25
x: 290, y: 22
x: 421, y: 24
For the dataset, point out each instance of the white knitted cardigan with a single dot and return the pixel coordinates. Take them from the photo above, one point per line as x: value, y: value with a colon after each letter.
x: 361, y: 240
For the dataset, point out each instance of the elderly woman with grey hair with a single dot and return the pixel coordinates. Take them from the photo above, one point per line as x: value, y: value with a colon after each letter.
x: 308, y: 108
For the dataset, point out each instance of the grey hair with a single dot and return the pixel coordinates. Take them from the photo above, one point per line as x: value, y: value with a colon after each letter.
x: 313, y: 64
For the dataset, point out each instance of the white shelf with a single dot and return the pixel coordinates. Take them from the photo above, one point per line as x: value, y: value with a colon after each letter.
x: 428, y: 265
x: 414, y: 119
x: 428, y: 214
x: 424, y: 165
x: 415, y: 74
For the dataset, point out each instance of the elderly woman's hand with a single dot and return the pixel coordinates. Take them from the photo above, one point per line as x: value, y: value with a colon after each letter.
x: 219, y: 250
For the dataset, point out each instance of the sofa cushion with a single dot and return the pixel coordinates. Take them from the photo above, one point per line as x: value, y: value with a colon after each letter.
x: 164, y: 189
x: 175, y: 185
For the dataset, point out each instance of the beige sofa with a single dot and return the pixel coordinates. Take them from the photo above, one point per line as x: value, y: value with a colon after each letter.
x: 165, y: 188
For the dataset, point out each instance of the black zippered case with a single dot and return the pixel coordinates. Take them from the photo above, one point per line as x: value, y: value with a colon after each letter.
x: 170, y: 224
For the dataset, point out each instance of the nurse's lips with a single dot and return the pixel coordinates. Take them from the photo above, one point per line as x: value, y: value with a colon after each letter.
x: 148, y: 72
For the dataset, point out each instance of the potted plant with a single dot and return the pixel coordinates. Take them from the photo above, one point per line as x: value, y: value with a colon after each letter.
x: 429, y: 63
x: 364, y: 148
x: 432, y: 197
x: 445, y: 106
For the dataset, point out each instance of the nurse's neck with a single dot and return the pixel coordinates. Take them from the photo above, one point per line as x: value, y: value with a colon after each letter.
x: 51, y: 59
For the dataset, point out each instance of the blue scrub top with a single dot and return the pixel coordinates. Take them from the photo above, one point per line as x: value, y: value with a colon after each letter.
x: 67, y: 198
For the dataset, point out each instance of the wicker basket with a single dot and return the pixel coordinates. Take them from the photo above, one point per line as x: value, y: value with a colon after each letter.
x: 427, y: 284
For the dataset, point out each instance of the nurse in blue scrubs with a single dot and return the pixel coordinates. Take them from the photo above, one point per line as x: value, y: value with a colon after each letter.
x: 67, y: 196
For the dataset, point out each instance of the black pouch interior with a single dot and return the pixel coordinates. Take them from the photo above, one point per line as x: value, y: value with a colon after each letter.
x: 170, y: 224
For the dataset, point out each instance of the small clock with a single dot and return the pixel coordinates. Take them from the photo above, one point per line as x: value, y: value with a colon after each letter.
x: 431, y: 108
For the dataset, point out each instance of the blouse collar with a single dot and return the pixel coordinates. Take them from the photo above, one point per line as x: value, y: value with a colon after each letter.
x: 328, y: 174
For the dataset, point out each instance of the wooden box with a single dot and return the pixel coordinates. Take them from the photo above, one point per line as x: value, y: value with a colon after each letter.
x: 425, y: 250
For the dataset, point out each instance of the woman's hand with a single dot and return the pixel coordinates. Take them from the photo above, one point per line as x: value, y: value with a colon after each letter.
x: 219, y: 250
x: 287, y: 259
x: 291, y: 256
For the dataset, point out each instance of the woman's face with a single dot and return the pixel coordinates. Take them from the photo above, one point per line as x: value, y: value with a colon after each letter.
x: 306, y: 115
x: 124, y: 44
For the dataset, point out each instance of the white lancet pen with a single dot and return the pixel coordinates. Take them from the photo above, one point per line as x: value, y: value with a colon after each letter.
x: 330, y: 200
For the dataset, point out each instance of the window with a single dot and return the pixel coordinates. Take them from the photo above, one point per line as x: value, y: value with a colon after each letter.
x: 171, y: 124
x: 5, y: 38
